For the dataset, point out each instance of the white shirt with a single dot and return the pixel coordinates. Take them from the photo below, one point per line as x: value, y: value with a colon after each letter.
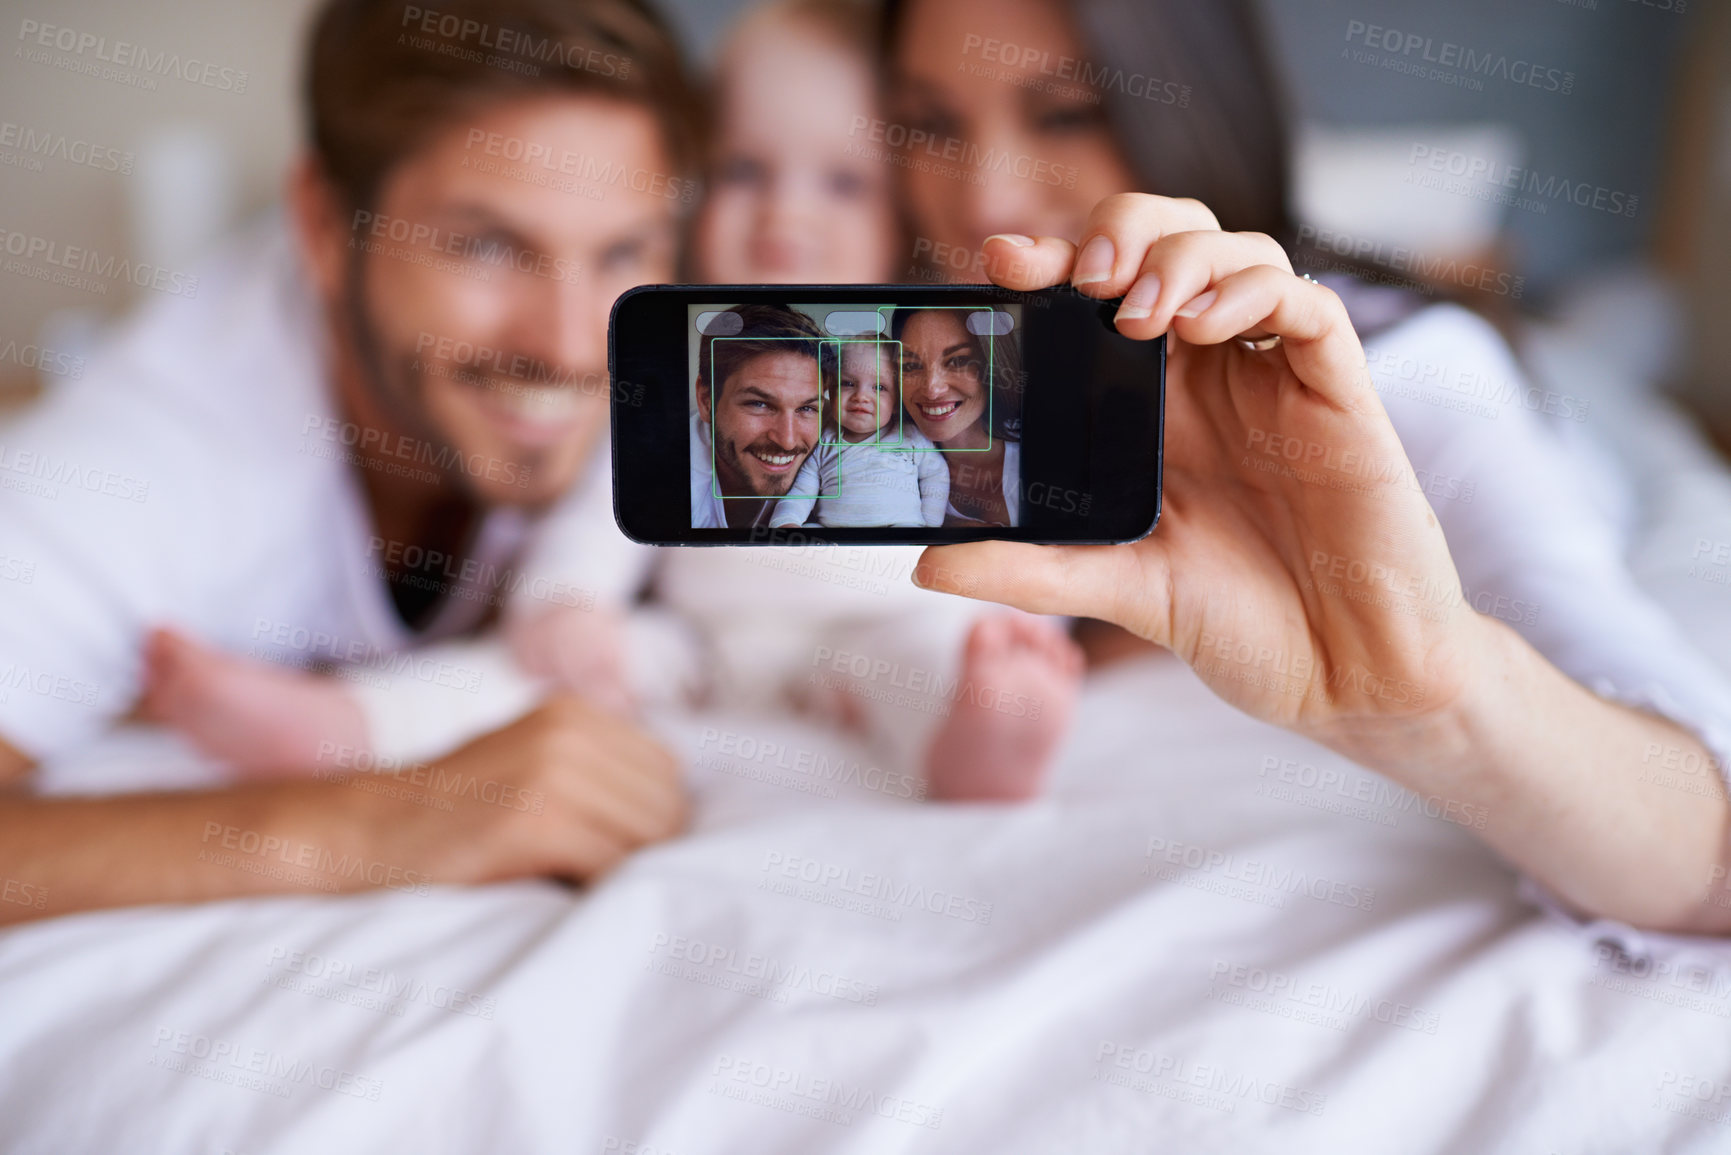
x: 867, y: 484
x: 1531, y: 549
x: 707, y: 509
x: 196, y: 476
x: 1012, y: 481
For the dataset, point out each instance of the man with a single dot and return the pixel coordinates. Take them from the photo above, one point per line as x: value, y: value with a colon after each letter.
x: 757, y: 421
x: 414, y: 376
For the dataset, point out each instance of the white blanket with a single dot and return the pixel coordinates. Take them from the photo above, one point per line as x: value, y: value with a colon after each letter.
x: 1209, y: 936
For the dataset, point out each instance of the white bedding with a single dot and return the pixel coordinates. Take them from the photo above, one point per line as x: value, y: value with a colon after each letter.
x: 1059, y: 998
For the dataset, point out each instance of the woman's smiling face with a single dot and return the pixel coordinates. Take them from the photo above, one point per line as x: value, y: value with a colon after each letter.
x: 943, y: 379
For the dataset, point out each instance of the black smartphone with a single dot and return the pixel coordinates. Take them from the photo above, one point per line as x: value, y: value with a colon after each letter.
x: 881, y: 415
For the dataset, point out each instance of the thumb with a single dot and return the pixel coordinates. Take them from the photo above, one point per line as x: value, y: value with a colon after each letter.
x: 1018, y: 262
x: 1092, y: 581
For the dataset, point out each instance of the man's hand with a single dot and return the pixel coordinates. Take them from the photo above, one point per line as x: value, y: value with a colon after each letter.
x: 566, y: 791
x: 13, y: 764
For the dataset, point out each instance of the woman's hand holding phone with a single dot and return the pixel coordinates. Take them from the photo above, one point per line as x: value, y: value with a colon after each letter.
x: 1297, y: 566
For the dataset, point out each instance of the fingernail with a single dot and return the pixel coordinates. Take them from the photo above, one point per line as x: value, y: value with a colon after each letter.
x: 1094, y: 262
x: 1200, y: 305
x: 1139, y: 301
x: 1016, y: 239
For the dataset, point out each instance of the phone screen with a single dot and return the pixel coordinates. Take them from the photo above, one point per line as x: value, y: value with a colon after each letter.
x: 856, y: 415
x: 882, y: 414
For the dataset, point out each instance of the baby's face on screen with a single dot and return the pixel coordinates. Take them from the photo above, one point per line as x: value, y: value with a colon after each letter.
x: 866, y: 397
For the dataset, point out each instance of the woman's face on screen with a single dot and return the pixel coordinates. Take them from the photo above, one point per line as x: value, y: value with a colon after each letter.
x: 943, y: 377
x: 1005, y: 146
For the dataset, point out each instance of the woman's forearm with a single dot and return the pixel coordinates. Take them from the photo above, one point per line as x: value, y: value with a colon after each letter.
x: 1617, y: 812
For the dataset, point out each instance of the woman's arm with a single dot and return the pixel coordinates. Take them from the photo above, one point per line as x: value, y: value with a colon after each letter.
x: 1300, y: 571
x: 1571, y: 787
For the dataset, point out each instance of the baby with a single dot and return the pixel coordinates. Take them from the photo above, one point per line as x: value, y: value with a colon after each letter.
x: 789, y: 201
x: 873, y: 468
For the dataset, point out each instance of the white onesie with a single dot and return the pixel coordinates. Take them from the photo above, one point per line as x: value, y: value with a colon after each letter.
x: 841, y: 630
x: 869, y: 484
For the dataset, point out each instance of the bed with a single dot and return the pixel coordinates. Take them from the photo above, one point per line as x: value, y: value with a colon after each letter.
x: 1208, y: 937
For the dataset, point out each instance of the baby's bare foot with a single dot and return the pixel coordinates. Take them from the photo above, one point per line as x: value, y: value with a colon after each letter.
x: 263, y: 721
x: 1020, y: 678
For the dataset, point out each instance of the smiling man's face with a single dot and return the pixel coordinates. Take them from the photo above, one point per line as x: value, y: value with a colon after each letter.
x: 485, y: 289
x: 764, y: 423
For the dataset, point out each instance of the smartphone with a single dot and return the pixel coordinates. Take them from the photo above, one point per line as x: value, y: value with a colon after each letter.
x: 881, y: 415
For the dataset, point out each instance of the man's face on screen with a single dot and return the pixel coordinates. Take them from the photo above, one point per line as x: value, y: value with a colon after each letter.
x: 490, y: 266
x: 764, y: 423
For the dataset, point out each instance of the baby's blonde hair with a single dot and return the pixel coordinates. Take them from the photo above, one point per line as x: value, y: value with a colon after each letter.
x: 848, y: 24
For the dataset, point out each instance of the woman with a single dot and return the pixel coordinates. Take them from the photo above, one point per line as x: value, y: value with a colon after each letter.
x: 1445, y: 701
x: 959, y: 395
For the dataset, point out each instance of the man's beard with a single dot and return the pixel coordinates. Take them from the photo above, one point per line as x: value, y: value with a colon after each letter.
x: 736, y: 458
x: 396, y: 383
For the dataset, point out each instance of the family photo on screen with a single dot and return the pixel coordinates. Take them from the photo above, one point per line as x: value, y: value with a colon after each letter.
x: 841, y: 417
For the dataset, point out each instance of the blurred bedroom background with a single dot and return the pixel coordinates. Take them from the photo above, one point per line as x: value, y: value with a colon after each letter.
x: 1602, y: 201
